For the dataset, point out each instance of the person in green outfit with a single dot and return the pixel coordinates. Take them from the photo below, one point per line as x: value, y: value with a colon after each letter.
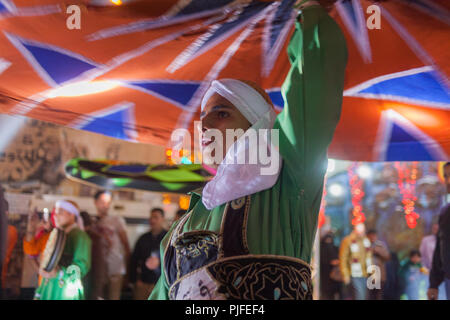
x: 249, y: 235
x: 65, y: 281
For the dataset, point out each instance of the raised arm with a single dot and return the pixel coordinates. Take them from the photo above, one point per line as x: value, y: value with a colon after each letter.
x: 312, y: 94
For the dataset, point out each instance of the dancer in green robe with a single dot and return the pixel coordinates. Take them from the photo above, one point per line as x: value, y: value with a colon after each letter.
x: 65, y: 281
x: 259, y: 246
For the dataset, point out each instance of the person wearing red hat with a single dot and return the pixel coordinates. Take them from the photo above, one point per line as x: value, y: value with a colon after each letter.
x: 36, y: 236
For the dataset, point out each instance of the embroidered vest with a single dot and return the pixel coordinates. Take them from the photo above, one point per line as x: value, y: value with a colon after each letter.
x: 205, y: 265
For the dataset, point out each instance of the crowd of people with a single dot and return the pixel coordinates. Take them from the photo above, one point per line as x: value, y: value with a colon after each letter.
x: 363, y: 268
x: 96, y: 262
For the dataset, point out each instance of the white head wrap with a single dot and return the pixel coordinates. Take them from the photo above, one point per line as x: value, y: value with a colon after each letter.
x: 234, y: 180
x: 67, y: 206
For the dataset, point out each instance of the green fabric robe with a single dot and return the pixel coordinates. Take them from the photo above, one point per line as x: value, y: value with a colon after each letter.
x: 283, y: 219
x: 76, y: 257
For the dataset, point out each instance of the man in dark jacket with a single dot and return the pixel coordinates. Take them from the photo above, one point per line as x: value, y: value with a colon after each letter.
x: 440, y: 268
x: 145, y: 267
x: 329, y: 261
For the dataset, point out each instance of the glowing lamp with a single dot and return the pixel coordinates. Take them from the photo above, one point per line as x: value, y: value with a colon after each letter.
x: 336, y: 190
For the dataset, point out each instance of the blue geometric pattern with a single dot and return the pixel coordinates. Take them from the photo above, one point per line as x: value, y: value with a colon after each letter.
x: 353, y: 16
x: 179, y: 93
x: 421, y: 86
x: 348, y: 6
x: 197, y: 6
x: 3, y: 8
x: 252, y: 9
x: 437, y: 12
x: 113, y: 124
x: 61, y: 67
x: 281, y: 16
x: 133, y: 169
x: 277, y: 98
x: 403, y: 147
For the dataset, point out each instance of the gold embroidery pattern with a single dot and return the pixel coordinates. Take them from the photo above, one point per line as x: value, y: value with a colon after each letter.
x: 262, y: 280
x: 193, y: 245
x: 197, y: 247
x: 238, y: 203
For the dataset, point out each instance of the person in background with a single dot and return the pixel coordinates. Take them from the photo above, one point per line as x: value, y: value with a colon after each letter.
x: 117, y: 248
x: 12, y: 237
x: 3, y: 234
x: 65, y: 282
x: 391, y: 289
x: 413, y: 278
x: 355, y: 256
x: 96, y: 278
x: 427, y: 246
x: 380, y: 255
x: 36, y: 237
x: 145, y: 267
x: 179, y: 214
x: 440, y: 267
x: 329, y: 264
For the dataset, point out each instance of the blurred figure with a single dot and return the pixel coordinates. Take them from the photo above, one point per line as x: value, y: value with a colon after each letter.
x: 145, y: 267
x: 355, y: 256
x: 427, y: 246
x: 391, y: 289
x: 65, y: 281
x: 96, y: 278
x: 413, y: 278
x: 3, y: 234
x: 447, y: 177
x: 117, y: 248
x: 440, y: 267
x: 36, y: 237
x: 12, y: 237
x: 380, y: 255
x: 180, y: 213
x: 330, y: 275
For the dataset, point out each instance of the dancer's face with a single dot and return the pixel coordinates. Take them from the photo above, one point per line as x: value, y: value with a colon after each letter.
x: 63, y: 218
x: 221, y: 114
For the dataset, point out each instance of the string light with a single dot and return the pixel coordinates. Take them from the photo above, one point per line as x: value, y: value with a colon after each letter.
x: 407, y: 184
x: 357, y: 194
x: 336, y: 190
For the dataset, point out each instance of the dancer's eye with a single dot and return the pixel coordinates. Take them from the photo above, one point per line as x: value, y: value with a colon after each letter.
x: 222, y: 114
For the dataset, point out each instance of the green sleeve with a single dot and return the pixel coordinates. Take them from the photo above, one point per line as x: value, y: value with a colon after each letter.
x: 161, y: 290
x: 312, y: 93
x: 81, y: 255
